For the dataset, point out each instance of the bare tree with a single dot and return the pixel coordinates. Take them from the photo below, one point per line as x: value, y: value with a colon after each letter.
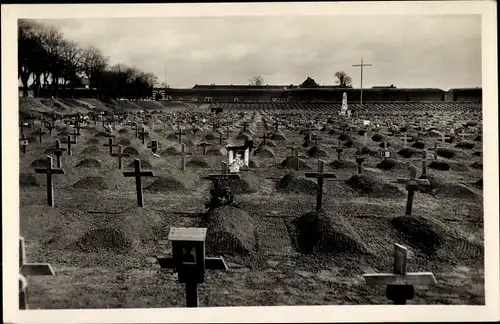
x: 93, y: 63
x: 257, y: 80
x: 343, y: 80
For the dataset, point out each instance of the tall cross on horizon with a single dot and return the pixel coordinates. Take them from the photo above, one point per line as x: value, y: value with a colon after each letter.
x: 361, y: 66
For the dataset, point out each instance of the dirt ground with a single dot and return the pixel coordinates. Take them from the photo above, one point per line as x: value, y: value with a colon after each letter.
x: 103, y: 247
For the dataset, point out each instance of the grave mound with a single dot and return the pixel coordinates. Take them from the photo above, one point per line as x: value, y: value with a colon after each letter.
x: 197, y: 162
x: 244, y: 136
x: 166, y: 184
x: 458, y: 167
x: 387, y: 164
x: 217, y: 151
x: 212, y: 136
x: 345, y: 138
x: 27, y: 180
x: 466, y: 145
x: 50, y: 150
x: 93, y: 183
x: 322, y: 233
x: 91, y: 129
x: 361, y: 132
x: 278, y: 136
x: 407, y: 152
x: 291, y: 183
x: 369, y: 185
x: 341, y: 164
x: 455, y: 190
x: 124, y: 131
x: 477, y: 153
x: 144, y: 164
x: 478, y: 138
x: 62, y: 133
x: 90, y: 150
x: 230, y: 231
x: 264, y: 151
x: 439, y: 165
x: 446, y: 153
x: 436, y: 239
x: 88, y: 163
x: 103, y: 239
x: 291, y: 163
x: 349, y: 144
x: 377, y: 137
x: 172, y: 137
x: 382, y: 145
x: 418, y: 145
x: 253, y: 164
x: 40, y: 163
x: 240, y: 186
x: 477, y: 165
x: 131, y: 151
x: 191, y: 143
x: 124, y: 141
x: 317, y: 152
x: 100, y: 134
x: 92, y: 141
x: 175, y: 149
x: 367, y: 150
x: 270, y: 143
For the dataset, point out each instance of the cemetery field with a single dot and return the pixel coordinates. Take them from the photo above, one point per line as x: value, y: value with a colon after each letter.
x: 279, y: 250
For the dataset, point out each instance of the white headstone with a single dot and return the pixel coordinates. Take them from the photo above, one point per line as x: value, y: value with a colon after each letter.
x: 343, y: 109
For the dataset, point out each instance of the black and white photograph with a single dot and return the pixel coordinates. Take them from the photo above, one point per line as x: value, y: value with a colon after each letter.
x: 180, y: 156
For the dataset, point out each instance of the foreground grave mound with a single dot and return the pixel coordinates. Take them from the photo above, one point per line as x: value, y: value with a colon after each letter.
x: 124, y: 131
x: 27, y: 180
x: 292, y: 183
x: 197, y: 162
x: 368, y: 151
x: 418, y: 145
x: 477, y: 165
x: 455, y: 190
x: 103, y: 239
x: 479, y: 183
x: 90, y: 150
x: 366, y: 184
x: 291, y: 163
x: 436, y: 239
x: 320, y: 232
x: 166, y: 184
x: 93, y: 183
x: 230, y: 231
x: 317, y: 152
x: 88, y: 163
x: 387, y: 164
x: 124, y: 142
x: 446, y: 153
x: 173, y: 150
x: 253, y: 164
x: 439, y: 165
x: 377, y: 138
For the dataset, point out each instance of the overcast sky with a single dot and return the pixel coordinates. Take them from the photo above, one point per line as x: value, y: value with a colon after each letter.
x: 407, y: 51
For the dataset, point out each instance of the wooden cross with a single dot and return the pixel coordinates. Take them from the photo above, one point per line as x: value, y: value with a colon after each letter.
x: 386, y: 153
x: 24, y: 143
x: 339, y: 150
x: 405, y: 138
x: 110, y: 145
x: 180, y: 133
x: 143, y: 134
x: 195, y: 130
x: 120, y: 155
x: 204, y: 146
x: 221, y: 137
x: 276, y: 126
x: 164, y: 131
x: 320, y: 176
x: 435, y: 149
x: 264, y: 137
x: 40, y: 133
x: 189, y: 260
x: 58, y: 153
x: 462, y: 134
x: 360, y: 159
x: 29, y: 269
x: 153, y: 146
x: 50, y: 127
x: 245, y: 126
x: 444, y: 138
x: 136, y: 129
x: 69, y: 142
x: 50, y: 171
x: 400, y: 284
x: 412, y: 185
x: 138, y: 173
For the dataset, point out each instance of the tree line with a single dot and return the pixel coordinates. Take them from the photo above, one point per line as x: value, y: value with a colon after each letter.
x: 55, y: 66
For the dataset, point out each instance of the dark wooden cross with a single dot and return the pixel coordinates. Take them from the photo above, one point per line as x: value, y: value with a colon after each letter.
x: 120, y: 155
x: 143, y: 134
x: 137, y: 174
x: 110, y: 145
x: 204, y: 146
x: 412, y: 185
x: 228, y: 133
x: 221, y: 137
x: 29, y: 269
x: 264, y: 137
x: 424, y: 163
x: 23, y: 141
x: 50, y: 127
x: 245, y: 126
x: 189, y: 260
x: 400, y: 284
x: 360, y: 159
x: 136, y: 129
x: 49, y: 171
x: 154, y: 146
x: 75, y: 135
x: 40, y: 133
x: 180, y: 133
x: 69, y: 142
x: 320, y: 176
x: 58, y: 153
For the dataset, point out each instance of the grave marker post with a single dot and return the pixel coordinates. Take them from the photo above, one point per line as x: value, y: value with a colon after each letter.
x: 110, y: 145
x: 69, y: 142
x: 143, y: 134
x: 189, y: 260
x: 120, y: 155
x: 58, y: 153
x: 204, y: 146
x: 183, y: 157
x: 400, y: 284
x: 180, y: 133
x: 23, y: 141
x: 49, y: 171
x: 405, y: 138
x: 424, y: 163
x: 412, y: 185
x: 41, y: 132
x: 137, y: 174
x: 320, y: 176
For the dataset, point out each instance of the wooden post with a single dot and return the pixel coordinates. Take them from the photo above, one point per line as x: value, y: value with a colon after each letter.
x: 320, y: 176
x: 180, y: 133
x: 204, y: 146
x: 58, y: 153
x: 424, y: 163
x: 143, y: 134
x: 120, y: 155
x: 400, y: 284
x: 41, y: 133
x: 69, y: 142
x: 138, y: 173
x: 359, y: 161
x: 24, y: 143
x: 154, y: 146
x: 50, y: 171
x: 264, y: 137
x: 183, y: 157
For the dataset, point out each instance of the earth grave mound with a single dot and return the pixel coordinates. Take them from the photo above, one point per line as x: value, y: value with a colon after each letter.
x: 366, y: 184
x: 131, y: 151
x: 477, y: 165
x: 264, y: 151
x: 88, y: 163
x: 439, y: 165
x: 407, y: 152
x: 292, y: 183
x: 124, y: 142
x: 166, y: 184
x: 92, y: 141
x: 291, y: 163
x: 387, y: 164
x: 317, y: 152
x: 418, y: 145
x: 92, y: 183
x: 40, y: 163
x: 342, y: 164
x: 455, y: 190
x: 90, y: 150
x: 377, y: 138
x: 197, y: 162
x: 103, y: 240
x: 446, y: 153
x: 466, y: 145
x: 27, y: 180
